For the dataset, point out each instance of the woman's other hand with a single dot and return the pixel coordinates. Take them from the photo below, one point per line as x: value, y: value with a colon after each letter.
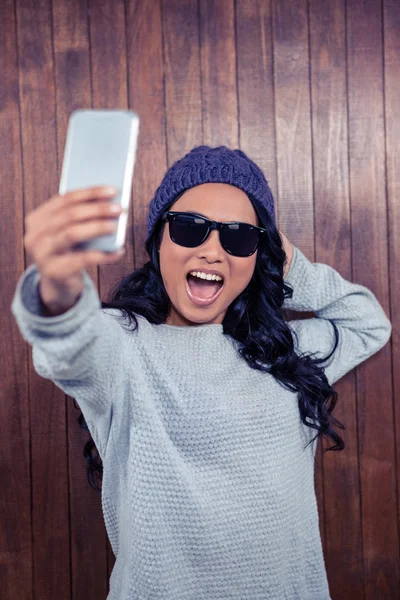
x: 288, y: 248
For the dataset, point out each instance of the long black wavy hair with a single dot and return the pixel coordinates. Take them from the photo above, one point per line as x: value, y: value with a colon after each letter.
x: 255, y: 319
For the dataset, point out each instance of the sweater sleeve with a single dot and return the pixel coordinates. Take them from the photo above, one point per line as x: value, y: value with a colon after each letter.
x: 77, y: 350
x: 361, y: 321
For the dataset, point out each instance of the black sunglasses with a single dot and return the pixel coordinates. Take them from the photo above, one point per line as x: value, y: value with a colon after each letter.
x: 191, y: 230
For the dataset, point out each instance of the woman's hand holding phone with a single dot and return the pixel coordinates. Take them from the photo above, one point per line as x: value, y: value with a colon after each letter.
x: 52, y: 232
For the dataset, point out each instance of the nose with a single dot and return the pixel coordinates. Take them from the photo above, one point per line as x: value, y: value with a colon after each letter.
x: 211, y: 249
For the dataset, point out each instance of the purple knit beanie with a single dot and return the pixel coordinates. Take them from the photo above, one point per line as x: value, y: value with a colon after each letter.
x: 211, y: 165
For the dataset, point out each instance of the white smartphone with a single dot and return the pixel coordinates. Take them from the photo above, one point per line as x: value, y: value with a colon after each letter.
x: 100, y: 149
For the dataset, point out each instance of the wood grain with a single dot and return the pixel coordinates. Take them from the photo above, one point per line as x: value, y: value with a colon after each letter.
x: 293, y: 125
x: 370, y: 268
x: 183, y: 101
x: 50, y: 493
x: 256, y: 87
x: 391, y: 29
x: 16, y: 552
x: 146, y: 96
x: 218, y: 73
x: 343, y: 541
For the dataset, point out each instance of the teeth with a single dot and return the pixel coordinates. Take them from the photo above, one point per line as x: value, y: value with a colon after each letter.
x: 207, y: 276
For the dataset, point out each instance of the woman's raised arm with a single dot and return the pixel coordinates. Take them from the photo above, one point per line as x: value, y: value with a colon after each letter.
x: 361, y: 321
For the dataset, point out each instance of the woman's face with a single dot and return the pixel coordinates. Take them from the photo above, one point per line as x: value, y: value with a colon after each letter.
x: 189, y: 295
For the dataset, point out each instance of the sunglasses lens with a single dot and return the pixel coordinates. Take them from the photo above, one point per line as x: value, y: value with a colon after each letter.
x: 188, y: 230
x: 239, y: 239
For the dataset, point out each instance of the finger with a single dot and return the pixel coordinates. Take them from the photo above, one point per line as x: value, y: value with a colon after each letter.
x: 74, y: 214
x: 65, y: 239
x: 63, y: 266
x: 64, y: 201
x: 91, y: 193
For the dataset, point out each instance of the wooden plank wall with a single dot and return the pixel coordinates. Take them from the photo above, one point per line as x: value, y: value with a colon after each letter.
x: 311, y: 90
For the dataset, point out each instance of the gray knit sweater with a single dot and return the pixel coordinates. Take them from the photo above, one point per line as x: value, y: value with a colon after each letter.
x: 208, y: 492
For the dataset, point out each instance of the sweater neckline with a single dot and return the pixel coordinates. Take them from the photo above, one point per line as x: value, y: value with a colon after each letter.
x: 212, y: 326
x: 209, y: 329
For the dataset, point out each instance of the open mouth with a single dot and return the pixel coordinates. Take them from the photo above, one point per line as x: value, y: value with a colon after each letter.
x: 203, y: 291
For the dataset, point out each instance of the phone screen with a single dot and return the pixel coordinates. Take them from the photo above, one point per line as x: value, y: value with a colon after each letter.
x: 100, y: 150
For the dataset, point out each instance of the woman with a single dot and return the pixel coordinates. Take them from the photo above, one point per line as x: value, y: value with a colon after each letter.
x: 201, y: 398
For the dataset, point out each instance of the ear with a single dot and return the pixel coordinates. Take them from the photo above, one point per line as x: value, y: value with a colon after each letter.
x: 160, y: 238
